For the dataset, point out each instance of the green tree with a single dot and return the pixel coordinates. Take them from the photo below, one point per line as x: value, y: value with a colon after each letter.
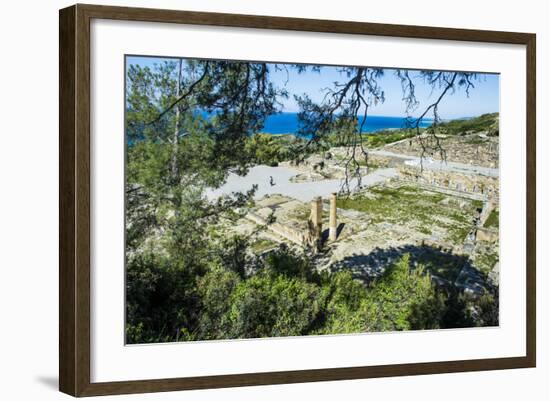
x: 347, y: 308
x: 289, y: 263
x: 272, y: 306
x: 268, y: 149
x: 405, y: 299
x: 162, y: 299
x: 216, y: 289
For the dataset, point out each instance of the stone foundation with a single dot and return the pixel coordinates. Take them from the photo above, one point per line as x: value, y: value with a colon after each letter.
x: 295, y: 236
x: 486, y: 234
x: 308, y: 235
x: 474, y: 184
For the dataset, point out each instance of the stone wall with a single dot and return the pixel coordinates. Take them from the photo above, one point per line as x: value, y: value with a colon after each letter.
x: 476, y: 149
x: 296, y: 236
x: 311, y: 234
x: 486, y: 187
x: 486, y: 234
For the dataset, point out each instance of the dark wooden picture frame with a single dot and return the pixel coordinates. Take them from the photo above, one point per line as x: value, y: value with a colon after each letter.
x: 74, y: 200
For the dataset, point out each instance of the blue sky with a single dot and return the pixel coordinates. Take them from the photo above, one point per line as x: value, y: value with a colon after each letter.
x: 484, y: 97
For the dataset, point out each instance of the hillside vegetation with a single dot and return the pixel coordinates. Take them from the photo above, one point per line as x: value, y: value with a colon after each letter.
x: 486, y: 123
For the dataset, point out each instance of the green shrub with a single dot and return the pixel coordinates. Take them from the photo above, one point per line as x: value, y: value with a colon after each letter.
x: 267, y: 306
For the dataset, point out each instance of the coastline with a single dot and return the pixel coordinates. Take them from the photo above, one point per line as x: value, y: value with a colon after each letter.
x: 287, y: 123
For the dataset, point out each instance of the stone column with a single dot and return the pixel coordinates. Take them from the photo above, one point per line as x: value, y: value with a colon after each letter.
x: 316, y: 218
x: 332, y: 219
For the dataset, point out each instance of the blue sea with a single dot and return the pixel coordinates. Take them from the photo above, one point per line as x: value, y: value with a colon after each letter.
x: 287, y: 123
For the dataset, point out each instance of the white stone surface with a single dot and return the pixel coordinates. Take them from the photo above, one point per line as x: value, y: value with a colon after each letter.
x: 304, y: 191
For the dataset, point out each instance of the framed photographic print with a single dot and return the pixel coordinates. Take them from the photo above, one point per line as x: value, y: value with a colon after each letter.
x: 250, y: 200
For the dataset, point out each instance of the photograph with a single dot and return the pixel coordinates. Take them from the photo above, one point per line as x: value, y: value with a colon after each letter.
x: 272, y: 199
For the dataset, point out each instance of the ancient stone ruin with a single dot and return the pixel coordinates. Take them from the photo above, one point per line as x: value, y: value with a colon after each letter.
x: 475, y: 186
x: 311, y: 235
x: 315, y: 224
x: 333, y: 228
x: 314, y: 237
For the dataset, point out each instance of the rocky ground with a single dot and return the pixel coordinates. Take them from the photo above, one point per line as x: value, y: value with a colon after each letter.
x: 386, y: 216
x: 474, y: 149
x: 379, y: 225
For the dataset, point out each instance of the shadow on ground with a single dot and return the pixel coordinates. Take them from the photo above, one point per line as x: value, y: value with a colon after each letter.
x: 326, y: 232
x: 445, y: 267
